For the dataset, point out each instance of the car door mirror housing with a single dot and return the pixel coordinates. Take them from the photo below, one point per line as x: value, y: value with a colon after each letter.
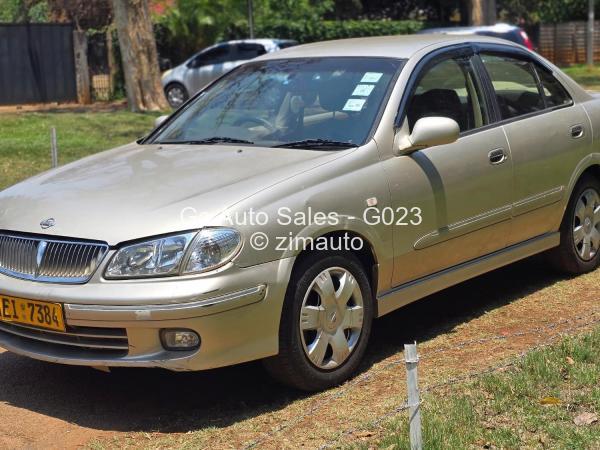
x: 159, y: 120
x: 429, y: 132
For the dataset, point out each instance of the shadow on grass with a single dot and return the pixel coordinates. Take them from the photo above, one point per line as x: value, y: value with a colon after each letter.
x: 148, y: 400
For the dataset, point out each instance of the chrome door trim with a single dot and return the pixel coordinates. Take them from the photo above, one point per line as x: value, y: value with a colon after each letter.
x: 539, y: 200
x: 468, y: 225
x: 407, y: 293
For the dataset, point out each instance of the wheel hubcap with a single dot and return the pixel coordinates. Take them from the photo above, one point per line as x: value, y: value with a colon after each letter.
x: 175, y: 96
x: 331, y: 318
x: 586, y: 225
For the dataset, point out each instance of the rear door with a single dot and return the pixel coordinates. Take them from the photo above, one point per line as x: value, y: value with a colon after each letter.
x: 548, y: 136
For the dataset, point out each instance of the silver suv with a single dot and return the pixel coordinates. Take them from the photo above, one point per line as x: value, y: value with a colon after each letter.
x: 183, y: 81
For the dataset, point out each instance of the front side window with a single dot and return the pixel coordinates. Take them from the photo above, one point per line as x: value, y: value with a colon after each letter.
x: 215, y: 55
x: 302, y: 102
x: 515, y: 84
x: 449, y: 89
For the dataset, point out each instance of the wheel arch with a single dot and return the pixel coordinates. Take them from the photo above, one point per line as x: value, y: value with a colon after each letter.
x: 366, y: 255
x: 588, y: 166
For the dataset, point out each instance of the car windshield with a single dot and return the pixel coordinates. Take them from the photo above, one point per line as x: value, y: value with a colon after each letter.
x: 324, y: 103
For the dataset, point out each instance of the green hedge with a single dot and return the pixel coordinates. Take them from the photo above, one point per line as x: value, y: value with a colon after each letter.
x: 304, y: 32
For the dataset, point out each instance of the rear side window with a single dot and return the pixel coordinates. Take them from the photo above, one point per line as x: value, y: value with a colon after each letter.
x: 515, y: 84
x: 286, y: 44
x: 554, y: 92
x: 249, y: 51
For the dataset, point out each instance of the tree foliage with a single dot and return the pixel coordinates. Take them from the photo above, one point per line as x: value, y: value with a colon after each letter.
x: 191, y: 25
x: 85, y: 14
x: 304, y: 32
x: 24, y: 11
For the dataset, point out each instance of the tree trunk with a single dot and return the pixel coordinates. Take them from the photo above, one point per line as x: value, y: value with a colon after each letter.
x: 491, y: 14
x: 477, y: 15
x: 139, y: 56
x: 482, y: 12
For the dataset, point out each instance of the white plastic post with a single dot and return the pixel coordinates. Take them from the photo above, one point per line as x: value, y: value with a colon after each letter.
x: 414, y: 402
x: 53, y: 147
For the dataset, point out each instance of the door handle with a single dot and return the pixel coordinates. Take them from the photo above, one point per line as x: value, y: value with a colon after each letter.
x: 577, y: 131
x: 497, y: 156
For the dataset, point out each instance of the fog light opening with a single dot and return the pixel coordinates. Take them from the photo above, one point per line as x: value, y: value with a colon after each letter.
x: 179, y: 340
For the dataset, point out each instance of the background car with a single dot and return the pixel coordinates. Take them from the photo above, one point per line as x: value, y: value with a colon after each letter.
x: 185, y: 80
x: 501, y: 30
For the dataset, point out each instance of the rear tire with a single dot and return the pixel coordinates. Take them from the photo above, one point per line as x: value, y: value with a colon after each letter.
x: 325, y: 324
x: 579, y: 249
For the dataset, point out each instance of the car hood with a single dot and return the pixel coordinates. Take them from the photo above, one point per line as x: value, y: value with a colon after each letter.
x: 144, y: 190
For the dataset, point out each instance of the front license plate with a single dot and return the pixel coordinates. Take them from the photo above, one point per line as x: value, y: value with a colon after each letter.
x: 32, y: 312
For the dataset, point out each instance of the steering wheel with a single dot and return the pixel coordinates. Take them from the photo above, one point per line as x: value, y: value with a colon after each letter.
x: 258, y: 120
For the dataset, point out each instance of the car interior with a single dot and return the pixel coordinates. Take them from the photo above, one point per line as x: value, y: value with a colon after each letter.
x: 448, y: 89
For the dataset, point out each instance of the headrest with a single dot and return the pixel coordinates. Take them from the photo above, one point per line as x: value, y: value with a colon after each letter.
x: 435, y: 102
x: 335, y: 92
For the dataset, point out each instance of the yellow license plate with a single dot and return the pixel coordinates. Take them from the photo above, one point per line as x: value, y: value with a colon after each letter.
x: 32, y: 312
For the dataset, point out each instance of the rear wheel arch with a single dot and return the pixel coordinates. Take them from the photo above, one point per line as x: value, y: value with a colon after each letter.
x: 584, y: 169
x: 568, y: 257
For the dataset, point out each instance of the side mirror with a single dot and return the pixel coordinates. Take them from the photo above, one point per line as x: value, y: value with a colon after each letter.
x: 429, y: 132
x: 159, y: 120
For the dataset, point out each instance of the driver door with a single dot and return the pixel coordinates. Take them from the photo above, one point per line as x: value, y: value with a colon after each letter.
x: 458, y: 196
x: 209, y: 66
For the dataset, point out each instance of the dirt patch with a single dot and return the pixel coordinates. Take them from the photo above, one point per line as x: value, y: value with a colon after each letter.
x: 463, y: 329
x: 65, y: 107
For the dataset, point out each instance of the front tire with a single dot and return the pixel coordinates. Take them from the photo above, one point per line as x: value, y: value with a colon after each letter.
x: 176, y: 94
x: 325, y: 324
x: 579, y: 250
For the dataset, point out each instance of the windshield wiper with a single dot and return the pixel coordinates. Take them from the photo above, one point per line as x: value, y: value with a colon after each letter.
x: 317, y: 143
x: 211, y: 140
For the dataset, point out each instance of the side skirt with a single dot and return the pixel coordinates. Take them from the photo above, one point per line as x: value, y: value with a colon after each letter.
x: 407, y: 293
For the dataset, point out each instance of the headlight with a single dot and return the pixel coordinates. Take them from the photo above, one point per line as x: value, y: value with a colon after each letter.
x: 212, y: 248
x: 181, y: 254
x: 166, y: 73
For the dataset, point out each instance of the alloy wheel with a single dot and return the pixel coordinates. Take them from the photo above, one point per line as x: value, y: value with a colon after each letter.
x: 331, y: 318
x: 176, y: 96
x: 586, y: 225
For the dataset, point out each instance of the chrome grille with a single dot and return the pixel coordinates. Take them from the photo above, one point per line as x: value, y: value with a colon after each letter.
x: 75, y: 338
x: 49, y: 260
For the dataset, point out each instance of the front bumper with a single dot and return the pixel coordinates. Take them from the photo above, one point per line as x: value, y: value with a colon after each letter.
x: 236, y: 312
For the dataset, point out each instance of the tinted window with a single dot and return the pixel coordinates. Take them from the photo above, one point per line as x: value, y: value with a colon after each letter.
x: 274, y: 103
x: 515, y: 84
x: 449, y: 89
x: 555, y: 93
x: 249, y: 51
x: 287, y: 44
x: 216, y: 55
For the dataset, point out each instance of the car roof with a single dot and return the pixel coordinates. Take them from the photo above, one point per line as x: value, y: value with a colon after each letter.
x: 264, y: 41
x: 401, y: 47
x: 498, y: 28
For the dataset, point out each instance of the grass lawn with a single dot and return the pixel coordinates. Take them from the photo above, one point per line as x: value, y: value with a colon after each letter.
x: 589, y: 78
x: 533, y: 405
x: 25, y: 138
